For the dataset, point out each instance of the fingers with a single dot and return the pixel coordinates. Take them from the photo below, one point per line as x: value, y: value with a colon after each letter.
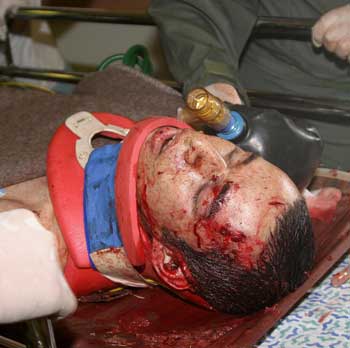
x: 322, y: 26
x: 342, y: 49
x: 332, y: 31
x: 337, y: 40
x: 225, y: 92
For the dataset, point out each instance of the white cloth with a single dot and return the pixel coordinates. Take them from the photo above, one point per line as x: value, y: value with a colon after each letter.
x: 5, y: 4
x: 31, y: 280
x: 38, y: 50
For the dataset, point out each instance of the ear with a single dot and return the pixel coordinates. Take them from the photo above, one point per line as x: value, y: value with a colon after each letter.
x: 168, y: 267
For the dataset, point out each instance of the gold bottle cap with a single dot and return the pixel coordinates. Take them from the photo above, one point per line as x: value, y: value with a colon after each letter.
x: 207, y: 107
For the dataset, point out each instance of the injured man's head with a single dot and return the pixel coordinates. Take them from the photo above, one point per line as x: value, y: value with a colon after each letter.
x: 221, y: 227
x: 220, y: 222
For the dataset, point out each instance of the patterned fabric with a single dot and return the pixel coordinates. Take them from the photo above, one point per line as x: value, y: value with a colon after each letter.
x: 320, y: 320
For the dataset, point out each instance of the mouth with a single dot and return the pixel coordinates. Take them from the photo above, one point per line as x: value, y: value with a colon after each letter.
x: 162, y: 139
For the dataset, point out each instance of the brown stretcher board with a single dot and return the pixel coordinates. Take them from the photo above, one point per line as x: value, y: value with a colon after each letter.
x: 156, y: 318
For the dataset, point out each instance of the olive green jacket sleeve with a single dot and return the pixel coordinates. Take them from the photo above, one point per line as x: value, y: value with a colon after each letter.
x: 203, y: 40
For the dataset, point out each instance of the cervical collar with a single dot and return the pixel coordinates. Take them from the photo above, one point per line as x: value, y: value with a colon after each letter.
x: 67, y: 155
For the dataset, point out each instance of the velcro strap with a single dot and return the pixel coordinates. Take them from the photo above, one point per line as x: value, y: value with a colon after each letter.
x: 104, y: 243
x: 101, y: 228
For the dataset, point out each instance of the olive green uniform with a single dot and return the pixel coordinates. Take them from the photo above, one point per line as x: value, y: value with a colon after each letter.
x: 207, y: 41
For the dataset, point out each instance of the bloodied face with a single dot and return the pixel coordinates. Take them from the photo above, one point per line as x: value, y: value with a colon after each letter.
x: 210, y: 193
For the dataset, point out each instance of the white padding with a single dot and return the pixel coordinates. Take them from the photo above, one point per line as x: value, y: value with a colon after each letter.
x: 31, y: 280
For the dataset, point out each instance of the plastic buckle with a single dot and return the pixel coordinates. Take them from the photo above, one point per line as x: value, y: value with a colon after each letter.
x: 86, y: 126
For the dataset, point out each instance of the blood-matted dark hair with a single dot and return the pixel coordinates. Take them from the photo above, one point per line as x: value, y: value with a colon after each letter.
x: 282, y: 266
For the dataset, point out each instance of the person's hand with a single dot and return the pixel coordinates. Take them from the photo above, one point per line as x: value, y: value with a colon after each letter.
x: 225, y: 92
x: 332, y: 31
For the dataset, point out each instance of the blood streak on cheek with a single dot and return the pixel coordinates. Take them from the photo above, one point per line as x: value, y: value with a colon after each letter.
x: 216, y: 190
x: 203, y: 230
x: 212, y: 236
x: 230, y: 237
x: 241, y: 247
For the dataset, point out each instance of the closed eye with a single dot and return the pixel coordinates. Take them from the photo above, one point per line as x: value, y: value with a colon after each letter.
x: 196, y: 195
x: 250, y: 158
x: 219, y: 200
x: 213, y: 199
x: 230, y: 155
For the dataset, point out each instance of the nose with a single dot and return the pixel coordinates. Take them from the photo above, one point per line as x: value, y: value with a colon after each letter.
x: 203, y: 157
